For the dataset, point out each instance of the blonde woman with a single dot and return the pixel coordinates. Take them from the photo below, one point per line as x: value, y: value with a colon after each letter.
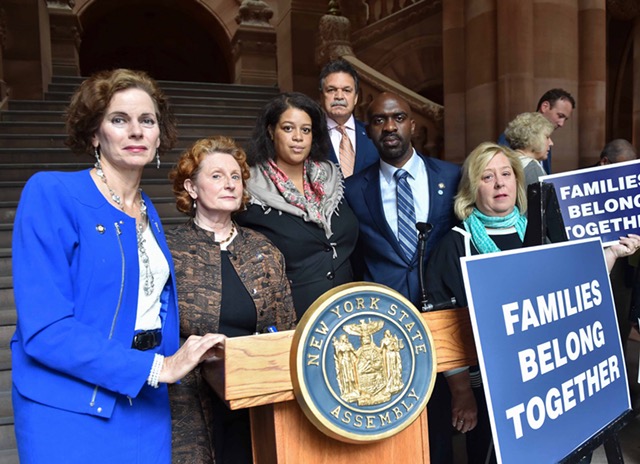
x: 529, y: 134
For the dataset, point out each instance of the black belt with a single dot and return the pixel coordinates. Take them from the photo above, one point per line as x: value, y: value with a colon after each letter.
x: 147, y: 339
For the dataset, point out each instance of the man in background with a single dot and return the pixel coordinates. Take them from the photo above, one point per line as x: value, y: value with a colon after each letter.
x: 389, y: 197
x: 351, y: 149
x: 617, y: 151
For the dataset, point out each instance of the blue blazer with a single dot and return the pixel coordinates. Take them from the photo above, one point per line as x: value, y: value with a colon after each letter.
x: 75, y: 274
x: 366, y: 151
x: 379, y: 257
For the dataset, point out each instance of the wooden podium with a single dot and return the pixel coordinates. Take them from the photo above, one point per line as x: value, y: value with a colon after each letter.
x: 254, y: 373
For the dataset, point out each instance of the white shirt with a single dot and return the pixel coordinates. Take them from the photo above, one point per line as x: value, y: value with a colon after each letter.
x: 336, y: 135
x: 419, y: 183
x: 148, y: 315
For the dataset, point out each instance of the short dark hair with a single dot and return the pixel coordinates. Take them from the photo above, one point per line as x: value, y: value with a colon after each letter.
x: 339, y: 66
x: 617, y: 147
x: 553, y: 95
x: 261, y: 147
x: 91, y: 100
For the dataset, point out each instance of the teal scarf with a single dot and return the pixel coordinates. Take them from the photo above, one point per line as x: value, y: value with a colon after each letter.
x: 477, y: 223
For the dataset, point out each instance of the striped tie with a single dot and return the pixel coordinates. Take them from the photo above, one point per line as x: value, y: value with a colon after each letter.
x: 347, y: 155
x: 407, y: 232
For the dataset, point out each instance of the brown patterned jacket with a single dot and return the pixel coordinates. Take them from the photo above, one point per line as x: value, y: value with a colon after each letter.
x: 196, y: 256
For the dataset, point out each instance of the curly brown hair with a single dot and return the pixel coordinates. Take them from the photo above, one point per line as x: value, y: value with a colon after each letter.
x: 188, y: 167
x: 90, y: 101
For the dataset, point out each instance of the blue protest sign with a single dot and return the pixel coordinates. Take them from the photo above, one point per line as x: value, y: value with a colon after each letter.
x: 599, y: 202
x: 548, y: 346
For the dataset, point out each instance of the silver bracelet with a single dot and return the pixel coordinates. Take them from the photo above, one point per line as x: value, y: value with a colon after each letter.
x: 156, y: 367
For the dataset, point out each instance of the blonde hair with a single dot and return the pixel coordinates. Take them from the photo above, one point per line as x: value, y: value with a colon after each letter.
x: 472, y: 170
x: 528, y: 131
x: 188, y: 167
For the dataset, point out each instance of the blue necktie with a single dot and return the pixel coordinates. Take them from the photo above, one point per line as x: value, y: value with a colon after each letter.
x: 407, y: 232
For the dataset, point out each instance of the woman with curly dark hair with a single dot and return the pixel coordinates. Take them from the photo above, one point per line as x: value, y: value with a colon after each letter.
x: 297, y: 197
x: 231, y: 281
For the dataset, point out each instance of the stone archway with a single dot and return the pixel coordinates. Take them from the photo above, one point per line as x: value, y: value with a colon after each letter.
x: 171, y: 40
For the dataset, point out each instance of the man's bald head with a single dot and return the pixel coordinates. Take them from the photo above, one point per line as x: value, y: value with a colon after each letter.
x: 390, y: 127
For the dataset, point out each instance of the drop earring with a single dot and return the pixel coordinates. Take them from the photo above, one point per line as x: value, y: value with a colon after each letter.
x: 157, y: 159
x: 96, y: 153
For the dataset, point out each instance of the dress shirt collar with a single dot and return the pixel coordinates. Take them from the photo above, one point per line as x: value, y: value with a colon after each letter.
x: 350, y: 124
x: 412, y: 166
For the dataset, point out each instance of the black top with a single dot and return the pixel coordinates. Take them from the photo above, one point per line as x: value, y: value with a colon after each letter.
x: 444, y: 271
x: 314, y: 263
x: 237, y: 309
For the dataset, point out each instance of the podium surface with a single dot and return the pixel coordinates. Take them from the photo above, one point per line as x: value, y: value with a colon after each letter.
x: 254, y: 372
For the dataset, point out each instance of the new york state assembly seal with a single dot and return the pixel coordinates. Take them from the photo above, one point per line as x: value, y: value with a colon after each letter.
x: 362, y: 363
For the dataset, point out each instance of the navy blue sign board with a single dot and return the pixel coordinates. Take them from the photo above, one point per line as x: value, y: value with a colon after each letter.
x: 548, y: 346
x: 600, y: 202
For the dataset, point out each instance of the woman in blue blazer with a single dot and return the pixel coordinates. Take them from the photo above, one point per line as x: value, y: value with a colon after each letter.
x: 96, y: 340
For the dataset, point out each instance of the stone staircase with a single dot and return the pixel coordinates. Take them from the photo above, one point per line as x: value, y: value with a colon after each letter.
x: 31, y: 140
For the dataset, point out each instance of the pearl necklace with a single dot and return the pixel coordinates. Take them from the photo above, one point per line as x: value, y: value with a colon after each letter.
x: 148, y: 283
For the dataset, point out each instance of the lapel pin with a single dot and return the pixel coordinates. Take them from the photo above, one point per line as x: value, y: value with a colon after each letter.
x: 100, y: 228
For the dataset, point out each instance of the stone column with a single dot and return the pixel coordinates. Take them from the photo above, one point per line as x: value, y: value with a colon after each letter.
x: 481, y: 72
x: 254, y: 45
x: 593, y: 80
x: 453, y: 45
x: 297, y: 38
x: 556, y: 58
x: 515, y: 30
x: 65, y: 38
x: 25, y: 59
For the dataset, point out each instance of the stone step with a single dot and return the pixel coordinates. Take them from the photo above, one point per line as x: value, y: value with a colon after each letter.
x: 246, y: 117
x: 5, y: 351
x: 6, y: 332
x: 5, y: 380
x: 8, y: 211
x: 8, y: 456
x: 202, y: 128
x: 6, y: 408
x: 62, y: 91
x: 230, y: 108
x: 7, y: 301
x: 187, y: 125
x: 5, y: 268
x: 77, y: 80
x: 8, y: 443
x: 188, y: 135
x: 8, y: 316
x: 32, y: 116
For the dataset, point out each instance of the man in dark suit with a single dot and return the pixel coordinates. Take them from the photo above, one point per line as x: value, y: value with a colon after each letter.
x: 339, y: 87
x: 387, y: 246
x: 373, y: 198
